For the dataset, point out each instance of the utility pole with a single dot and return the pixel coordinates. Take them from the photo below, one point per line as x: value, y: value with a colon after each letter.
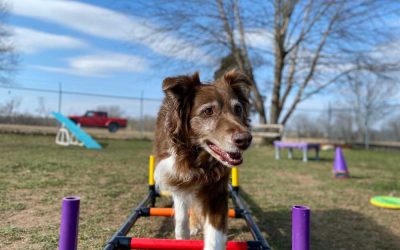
x: 59, y: 97
x: 141, y: 116
x: 329, y: 121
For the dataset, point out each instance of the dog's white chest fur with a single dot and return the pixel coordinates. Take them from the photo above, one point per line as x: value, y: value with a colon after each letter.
x: 213, y: 239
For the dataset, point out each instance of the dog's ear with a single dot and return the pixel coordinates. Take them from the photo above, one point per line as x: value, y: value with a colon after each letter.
x: 181, y: 90
x: 239, y: 82
x: 178, y: 87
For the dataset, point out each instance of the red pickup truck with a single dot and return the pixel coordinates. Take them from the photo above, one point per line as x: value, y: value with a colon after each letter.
x: 99, y: 119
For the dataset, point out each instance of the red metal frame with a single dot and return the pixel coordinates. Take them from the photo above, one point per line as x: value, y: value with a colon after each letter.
x: 168, y: 244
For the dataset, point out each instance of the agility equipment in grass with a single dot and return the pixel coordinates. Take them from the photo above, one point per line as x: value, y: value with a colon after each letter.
x: 303, y: 146
x: 300, y: 228
x: 339, y: 165
x: 72, y: 134
x: 69, y: 223
x: 119, y: 241
x: 386, y: 202
x: 146, y: 208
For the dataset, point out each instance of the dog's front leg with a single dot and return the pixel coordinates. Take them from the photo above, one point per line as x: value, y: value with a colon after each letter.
x: 181, y: 205
x: 214, y: 237
x: 216, y: 219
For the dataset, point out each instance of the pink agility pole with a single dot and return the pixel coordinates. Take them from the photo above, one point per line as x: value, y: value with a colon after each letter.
x: 167, y: 244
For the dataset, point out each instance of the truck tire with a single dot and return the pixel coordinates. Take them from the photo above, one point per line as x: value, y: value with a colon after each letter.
x: 113, y: 127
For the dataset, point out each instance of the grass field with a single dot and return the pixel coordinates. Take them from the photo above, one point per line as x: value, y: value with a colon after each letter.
x: 35, y: 174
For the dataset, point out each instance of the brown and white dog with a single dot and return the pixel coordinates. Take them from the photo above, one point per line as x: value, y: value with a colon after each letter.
x: 202, y: 130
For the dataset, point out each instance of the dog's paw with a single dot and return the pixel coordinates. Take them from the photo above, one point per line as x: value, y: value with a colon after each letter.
x: 194, y: 231
x: 185, y: 236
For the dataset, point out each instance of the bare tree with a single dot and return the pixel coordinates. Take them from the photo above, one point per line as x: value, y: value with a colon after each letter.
x: 10, y: 107
x: 305, y: 125
x: 368, y: 96
x: 147, y: 123
x: 42, y: 109
x: 297, y: 47
x: 344, y: 126
x: 393, y: 128
x: 325, y: 121
x: 8, y: 57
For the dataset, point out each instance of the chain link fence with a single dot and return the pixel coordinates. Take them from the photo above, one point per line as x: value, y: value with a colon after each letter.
x: 32, y: 106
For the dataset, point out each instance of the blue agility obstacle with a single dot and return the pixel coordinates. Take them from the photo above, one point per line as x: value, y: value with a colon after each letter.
x: 76, y: 131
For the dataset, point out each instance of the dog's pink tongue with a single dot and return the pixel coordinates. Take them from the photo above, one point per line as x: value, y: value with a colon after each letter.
x: 233, y: 158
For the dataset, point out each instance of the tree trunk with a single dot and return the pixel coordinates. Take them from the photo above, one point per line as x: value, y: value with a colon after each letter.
x: 258, y: 100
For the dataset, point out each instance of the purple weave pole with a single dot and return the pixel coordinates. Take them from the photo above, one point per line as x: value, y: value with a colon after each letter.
x: 300, y: 228
x: 69, y: 223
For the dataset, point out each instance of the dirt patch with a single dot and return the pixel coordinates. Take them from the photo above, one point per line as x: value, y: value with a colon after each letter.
x: 305, y: 180
x: 34, y: 214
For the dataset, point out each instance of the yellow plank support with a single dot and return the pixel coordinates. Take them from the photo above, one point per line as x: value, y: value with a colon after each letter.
x: 235, y: 177
x: 151, y: 170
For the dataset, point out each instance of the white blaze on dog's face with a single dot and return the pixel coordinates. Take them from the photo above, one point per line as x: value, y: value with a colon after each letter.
x: 219, y: 118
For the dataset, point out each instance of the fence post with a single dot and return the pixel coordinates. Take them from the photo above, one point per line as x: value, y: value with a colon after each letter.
x: 141, y: 116
x: 59, y: 96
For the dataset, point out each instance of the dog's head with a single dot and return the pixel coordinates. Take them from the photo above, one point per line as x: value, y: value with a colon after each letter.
x: 211, y: 116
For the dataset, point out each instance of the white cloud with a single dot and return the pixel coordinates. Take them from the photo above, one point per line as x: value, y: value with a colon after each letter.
x: 388, y: 51
x: 106, y: 23
x: 100, y: 65
x: 259, y: 39
x: 32, y: 41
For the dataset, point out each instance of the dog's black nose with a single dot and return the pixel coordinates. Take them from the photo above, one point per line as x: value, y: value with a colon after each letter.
x: 242, y: 140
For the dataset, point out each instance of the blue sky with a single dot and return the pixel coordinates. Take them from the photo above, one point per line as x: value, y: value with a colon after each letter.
x: 89, y: 46
x: 86, y: 46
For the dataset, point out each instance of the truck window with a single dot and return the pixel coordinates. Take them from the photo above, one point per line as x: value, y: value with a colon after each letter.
x: 89, y: 114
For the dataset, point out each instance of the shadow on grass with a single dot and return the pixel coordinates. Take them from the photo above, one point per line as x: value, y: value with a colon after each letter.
x: 322, y: 159
x: 166, y: 228
x: 357, y: 177
x: 310, y: 159
x: 330, y: 229
x: 104, y: 144
x: 167, y: 224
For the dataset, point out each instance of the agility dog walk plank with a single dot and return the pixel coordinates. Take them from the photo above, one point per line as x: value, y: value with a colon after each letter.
x: 80, y: 134
x: 147, y: 208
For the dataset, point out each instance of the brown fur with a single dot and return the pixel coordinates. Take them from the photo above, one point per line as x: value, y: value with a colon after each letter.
x: 182, y: 128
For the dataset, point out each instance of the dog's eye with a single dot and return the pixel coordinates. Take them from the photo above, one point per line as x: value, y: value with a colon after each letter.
x: 238, y: 109
x: 208, y: 111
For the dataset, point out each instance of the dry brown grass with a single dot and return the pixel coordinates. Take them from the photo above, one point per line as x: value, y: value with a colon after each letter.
x: 35, y: 174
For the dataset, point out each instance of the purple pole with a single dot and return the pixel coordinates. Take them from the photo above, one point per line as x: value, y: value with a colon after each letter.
x: 300, y: 228
x: 69, y: 223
